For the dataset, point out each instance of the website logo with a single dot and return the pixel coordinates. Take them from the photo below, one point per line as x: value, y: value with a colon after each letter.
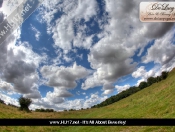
x: 157, y: 11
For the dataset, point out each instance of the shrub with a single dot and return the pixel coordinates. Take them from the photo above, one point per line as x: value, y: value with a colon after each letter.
x: 24, y: 103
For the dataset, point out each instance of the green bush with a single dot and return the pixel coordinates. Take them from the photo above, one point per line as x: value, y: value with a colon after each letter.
x: 24, y: 103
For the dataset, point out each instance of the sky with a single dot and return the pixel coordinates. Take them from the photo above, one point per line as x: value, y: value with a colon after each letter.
x: 73, y: 54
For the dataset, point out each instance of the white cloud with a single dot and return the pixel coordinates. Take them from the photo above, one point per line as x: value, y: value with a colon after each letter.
x: 110, y: 61
x: 55, y: 102
x: 18, y: 64
x: 63, y: 77
x: 80, y: 56
x: 91, y: 82
x: 67, y: 58
x: 63, y: 33
x: 108, y: 88
x: 6, y: 86
x: 140, y: 72
x: 56, y: 98
x: 144, y: 74
x: 122, y: 88
x: 37, y: 32
x: 106, y: 92
x: 63, y: 28
x: 162, y: 51
x: 139, y: 81
x: 122, y: 36
x: 84, y: 103
x: 9, y: 100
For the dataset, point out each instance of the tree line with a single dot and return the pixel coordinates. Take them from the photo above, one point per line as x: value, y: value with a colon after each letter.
x: 44, y: 110
x: 2, y: 101
x: 132, y: 90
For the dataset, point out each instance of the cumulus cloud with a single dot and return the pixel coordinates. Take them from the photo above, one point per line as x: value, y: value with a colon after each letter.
x: 162, y: 51
x: 140, y: 72
x: 63, y: 77
x: 143, y: 74
x: 6, y: 86
x: 55, y: 102
x: 18, y: 69
x: 111, y: 62
x: 84, y: 103
x: 63, y: 29
x: 123, y: 35
x: 111, y: 56
x: 122, y: 88
x: 9, y: 100
x: 106, y: 92
x: 108, y: 86
x: 157, y: 30
x: 91, y: 82
x: 54, y: 97
x: 34, y: 94
x: 18, y: 64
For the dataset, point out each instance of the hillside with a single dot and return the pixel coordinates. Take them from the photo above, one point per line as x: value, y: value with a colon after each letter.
x: 156, y: 101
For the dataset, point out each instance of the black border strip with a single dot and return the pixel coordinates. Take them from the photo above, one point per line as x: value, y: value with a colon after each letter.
x: 87, y: 122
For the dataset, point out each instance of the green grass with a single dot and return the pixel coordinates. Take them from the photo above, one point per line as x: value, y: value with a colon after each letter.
x: 156, y: 101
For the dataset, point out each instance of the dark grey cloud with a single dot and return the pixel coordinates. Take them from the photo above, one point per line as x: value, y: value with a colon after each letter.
x: 112, y: 61
x: 66, y: 80
x: 17, y: 69
x: 157, y: 30
x: 35, y: 94
x: 63, y: 93
x: 126, y: 6
x: 1, y: 17
x: 108, y: 86
x: 1, y: 2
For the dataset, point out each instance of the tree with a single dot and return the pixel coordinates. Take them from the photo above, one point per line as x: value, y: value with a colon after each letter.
x: 24, y: 103
x: 143, y: 85
x: 2, y: 101
x: 151, y: 80
x: 164, y: 75
x: 158, y: 79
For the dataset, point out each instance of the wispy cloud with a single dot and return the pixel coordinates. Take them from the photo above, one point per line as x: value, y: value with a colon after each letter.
x: 37, y: 32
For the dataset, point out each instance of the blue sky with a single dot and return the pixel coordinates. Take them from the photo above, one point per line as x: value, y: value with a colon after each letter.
x: 75, y: 54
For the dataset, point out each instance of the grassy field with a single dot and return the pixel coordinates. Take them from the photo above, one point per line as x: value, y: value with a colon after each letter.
x: 156, y: 101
